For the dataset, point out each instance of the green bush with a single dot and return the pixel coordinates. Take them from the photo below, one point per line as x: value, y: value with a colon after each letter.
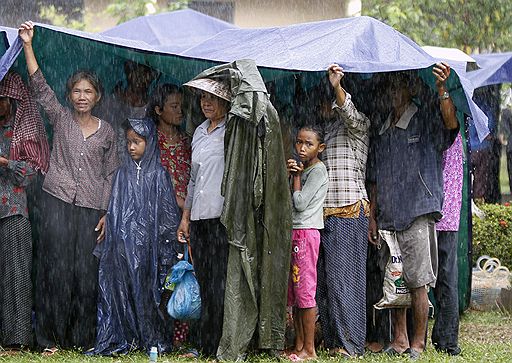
x: 492, y: 235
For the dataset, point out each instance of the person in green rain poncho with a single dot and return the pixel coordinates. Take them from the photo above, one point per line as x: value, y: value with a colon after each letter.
x: 241, y: 254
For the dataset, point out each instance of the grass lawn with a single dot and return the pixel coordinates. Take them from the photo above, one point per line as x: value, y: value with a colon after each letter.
x: 484, y: 337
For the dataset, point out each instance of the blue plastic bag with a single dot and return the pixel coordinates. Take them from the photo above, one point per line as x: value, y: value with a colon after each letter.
x: 185, y: 301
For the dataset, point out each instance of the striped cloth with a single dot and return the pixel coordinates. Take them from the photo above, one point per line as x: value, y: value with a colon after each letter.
x: 345, y: 155
x: 15, y: 281
x: 341, y: 291
x: 29, y: 141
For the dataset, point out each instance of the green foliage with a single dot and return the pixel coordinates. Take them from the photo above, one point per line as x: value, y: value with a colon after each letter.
x: 473, y: 26
x: 125, y: 10
x: 55, y: 16
x: 492, y: 235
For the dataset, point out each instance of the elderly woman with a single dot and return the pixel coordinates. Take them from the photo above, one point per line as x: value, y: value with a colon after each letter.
x: 200, y: 222
x: 23, y: 151
x: 77, y: 190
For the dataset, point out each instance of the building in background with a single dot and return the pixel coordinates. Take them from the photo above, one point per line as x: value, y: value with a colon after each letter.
x: 267, y: 13
x: 242, y: 13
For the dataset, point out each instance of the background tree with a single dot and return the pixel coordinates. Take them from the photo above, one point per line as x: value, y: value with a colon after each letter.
x: 475, y: 26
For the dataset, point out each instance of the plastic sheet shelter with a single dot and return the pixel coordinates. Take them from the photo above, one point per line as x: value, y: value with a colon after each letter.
x: 495, y: 68
x: 363, y: 46
x: 174, y: 31
x: 10, y: 33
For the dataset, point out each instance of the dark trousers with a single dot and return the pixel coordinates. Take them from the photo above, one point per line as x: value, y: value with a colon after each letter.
x: 67, y: 276
x: 445, y: 333
x: 209, y: 243
x: 378, y: 322
x: 509, y: 169
x: 15, y: 281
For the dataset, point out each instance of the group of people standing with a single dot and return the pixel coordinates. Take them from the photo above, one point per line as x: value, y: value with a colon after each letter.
x: 135, y: 192
x: 381, y: 174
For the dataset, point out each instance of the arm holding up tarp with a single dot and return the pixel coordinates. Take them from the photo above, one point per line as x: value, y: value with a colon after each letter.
x: 355, y: 121
x: 442, y: 71
x: 42, y: 92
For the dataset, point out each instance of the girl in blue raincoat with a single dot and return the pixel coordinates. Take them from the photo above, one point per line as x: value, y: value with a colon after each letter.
x: 138, y: 250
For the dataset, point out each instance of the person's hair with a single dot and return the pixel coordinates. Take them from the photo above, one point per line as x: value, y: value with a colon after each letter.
x: 83, y: 75
x: 132, y: 66
x: 316, y: 129
x: 158, y: 98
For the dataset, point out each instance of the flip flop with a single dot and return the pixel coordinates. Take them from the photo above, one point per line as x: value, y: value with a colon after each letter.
x: 339, y: 352
x: 295, y: 358
x: 413, y: 354
x: 190, y: 353
x: 389, y: 350
x: 9, y: 352
x: 47, y: 352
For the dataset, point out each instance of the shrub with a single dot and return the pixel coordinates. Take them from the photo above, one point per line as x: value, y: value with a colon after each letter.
x: 493, y: 235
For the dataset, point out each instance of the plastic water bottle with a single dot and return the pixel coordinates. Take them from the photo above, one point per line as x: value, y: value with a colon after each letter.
x: 153, y: 354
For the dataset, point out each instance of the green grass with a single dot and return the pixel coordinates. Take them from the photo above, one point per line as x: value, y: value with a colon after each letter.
x: 484, y: 337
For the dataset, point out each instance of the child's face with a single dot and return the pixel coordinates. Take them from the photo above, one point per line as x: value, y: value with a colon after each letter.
x: 308, y: 146
x: 136, y: 144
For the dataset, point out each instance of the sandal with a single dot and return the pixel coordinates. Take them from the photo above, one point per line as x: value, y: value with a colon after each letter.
x: 47, y: 352
x: 339, y: 352
x: 295, y: 358
x: 190, y: 353
x: 9, y: 352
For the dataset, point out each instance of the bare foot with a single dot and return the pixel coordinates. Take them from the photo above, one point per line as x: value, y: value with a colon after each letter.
x: 374, y: 347
x: 303, y: 355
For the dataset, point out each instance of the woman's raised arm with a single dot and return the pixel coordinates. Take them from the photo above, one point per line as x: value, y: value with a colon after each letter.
x: 26, y: 33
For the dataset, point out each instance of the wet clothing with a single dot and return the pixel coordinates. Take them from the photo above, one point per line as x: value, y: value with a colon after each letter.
x: 407, y: 167
x: 204, y: 198
x: 66, y: 275
x: 341, y: 292
x: 76, y: 190
x: 445, y: 333
x: 418, y: 246
x: 453, y: 168
x: 138, y: 252
x: 345, y: 155
x: 256, y: 195
x: 81, y: 170
x: 308, y: 202
x: 176, y: 159
x: 210, y: 248
x: 208, y: 237
x: 341, y: 266
x: 29, y: 143
x: 303, y: 275
x: 15, y: 281
x: 13, y: 178
x: 23, y: 143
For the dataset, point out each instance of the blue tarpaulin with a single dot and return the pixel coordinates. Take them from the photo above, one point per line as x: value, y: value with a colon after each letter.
x: 360, y: 45
x: 174, y: 31
x: 10, y: 33
x: 495, y: 68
